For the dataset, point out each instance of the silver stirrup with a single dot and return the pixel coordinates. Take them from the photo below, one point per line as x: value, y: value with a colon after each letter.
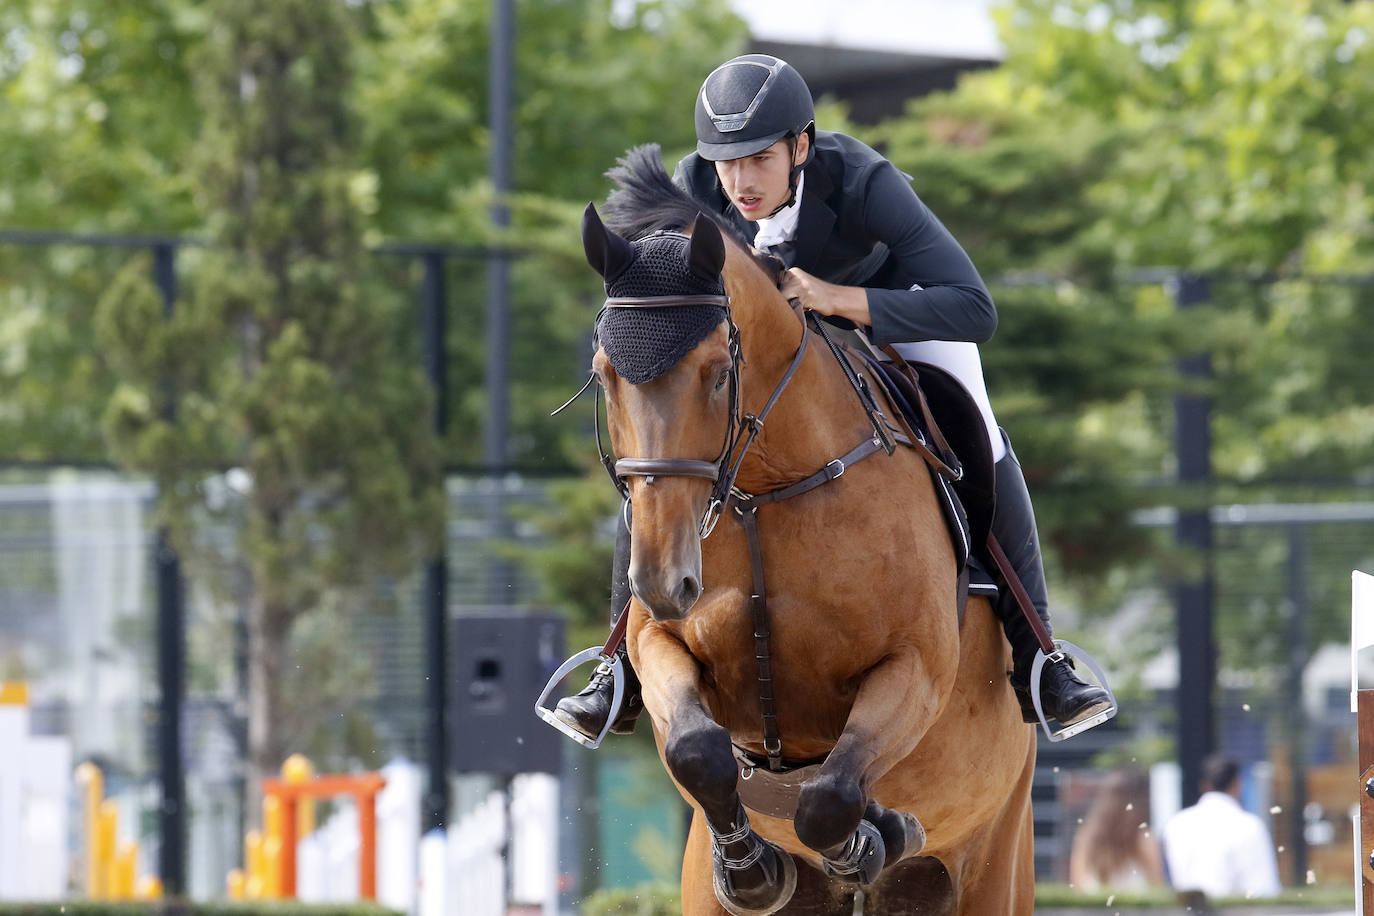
x: 1037, y: 669
x: 547, y: 713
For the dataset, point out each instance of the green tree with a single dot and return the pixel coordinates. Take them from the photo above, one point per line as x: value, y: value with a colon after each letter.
x: 1123, y: 137
x: 95, y: 104
x: 1080, y: 362
x: 277, y: 364
x: 592, y: 79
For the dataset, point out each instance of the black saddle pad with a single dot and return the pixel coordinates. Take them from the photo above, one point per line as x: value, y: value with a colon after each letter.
x: 961, y: 422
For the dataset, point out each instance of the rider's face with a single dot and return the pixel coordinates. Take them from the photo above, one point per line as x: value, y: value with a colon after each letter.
x: 757, y: 185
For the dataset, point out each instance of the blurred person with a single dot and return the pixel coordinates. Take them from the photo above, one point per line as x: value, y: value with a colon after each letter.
x: 1114, y: 848
x: 865, y: 251
x: 1216, y: 847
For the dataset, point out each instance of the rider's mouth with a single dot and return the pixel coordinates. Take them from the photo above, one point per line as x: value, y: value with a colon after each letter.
x: 748, y: 202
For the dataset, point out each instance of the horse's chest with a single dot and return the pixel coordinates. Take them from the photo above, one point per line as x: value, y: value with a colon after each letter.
x: 811, y: 648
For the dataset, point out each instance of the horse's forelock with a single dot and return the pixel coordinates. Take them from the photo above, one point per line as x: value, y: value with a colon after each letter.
x: 646, y: 199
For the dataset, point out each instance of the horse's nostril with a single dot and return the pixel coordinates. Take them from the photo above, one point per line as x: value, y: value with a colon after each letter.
x: 691, y: 591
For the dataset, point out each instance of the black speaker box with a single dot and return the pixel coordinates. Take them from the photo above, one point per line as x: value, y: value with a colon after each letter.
x: 499, y: 666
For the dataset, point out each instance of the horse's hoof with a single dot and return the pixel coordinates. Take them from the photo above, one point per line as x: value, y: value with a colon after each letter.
x: 861, y: 859
x: 786, y: 884
x: 915, y: 836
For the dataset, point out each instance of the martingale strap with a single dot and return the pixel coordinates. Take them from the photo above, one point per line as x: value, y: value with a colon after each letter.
x: 763, y: 657
x: 746, y: 508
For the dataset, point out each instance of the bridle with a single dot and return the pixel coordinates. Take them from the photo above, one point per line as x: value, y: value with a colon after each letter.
x: 740, y: 432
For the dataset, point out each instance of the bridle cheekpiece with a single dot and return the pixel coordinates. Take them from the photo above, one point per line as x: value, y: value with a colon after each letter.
x: 720, y: 472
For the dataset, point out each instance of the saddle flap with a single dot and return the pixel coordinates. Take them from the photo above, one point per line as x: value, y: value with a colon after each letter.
x: 961, y: 422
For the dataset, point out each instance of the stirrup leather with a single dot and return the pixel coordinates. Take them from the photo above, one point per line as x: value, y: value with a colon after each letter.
x: 616, y: 668
x: 1061, y: 648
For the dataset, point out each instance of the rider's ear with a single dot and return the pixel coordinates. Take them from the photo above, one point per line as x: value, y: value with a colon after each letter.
x: 706, y: 251
x: 607, y: 252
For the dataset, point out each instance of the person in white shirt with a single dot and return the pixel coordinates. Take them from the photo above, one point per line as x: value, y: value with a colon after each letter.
x: 1216, y: 846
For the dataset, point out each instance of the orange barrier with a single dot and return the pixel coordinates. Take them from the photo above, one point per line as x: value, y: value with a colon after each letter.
x: 363, y: 787
x: 288, y: 813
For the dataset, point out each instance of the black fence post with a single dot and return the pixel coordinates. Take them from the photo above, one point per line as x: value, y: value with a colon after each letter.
x: 498, y: 261
x: 434, y: 309
x: 1297, y: 710
x: 171, y: 651
x: 500, y: 585
x: 1193, y: 531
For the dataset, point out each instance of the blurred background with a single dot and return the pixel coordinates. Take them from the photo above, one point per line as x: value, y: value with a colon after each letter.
x: 288, y: 289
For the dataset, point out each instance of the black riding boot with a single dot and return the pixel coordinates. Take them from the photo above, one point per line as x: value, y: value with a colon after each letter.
x: 1063, y: 695
x: 587, y: 711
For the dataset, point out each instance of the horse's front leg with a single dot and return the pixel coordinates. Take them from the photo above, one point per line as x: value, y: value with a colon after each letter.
x: 751, y: 876
x: 894, y: 707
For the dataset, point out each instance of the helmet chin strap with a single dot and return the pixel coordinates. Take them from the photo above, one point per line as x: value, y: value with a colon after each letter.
x: 793, y: 175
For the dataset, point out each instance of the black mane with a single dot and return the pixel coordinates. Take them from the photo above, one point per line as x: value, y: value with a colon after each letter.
x: 647, y: 200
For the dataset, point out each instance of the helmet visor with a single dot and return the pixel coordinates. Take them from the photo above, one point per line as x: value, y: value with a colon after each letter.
x: 738, y: 149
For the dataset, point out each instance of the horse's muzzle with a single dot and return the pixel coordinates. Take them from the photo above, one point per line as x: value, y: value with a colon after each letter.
x: 668, y: 594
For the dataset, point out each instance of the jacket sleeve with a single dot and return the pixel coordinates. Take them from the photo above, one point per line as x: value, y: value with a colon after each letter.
x: 948, y: 300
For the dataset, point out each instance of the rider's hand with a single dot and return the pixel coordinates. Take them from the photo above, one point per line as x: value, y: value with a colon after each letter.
x: 826, y: 298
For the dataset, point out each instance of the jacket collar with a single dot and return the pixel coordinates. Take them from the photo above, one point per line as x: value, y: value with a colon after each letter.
x: 816, y: 219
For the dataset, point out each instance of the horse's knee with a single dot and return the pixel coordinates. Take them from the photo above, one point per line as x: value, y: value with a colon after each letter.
x: 829, y: 809
x: 698, y: 755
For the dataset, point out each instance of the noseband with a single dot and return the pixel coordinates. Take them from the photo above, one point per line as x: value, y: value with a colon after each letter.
x: 740, y: 432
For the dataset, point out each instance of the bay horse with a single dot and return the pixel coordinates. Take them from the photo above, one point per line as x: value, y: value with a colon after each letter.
x: 909, y: 764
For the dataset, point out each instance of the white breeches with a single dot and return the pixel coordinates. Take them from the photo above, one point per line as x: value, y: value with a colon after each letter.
x: 960, y: 359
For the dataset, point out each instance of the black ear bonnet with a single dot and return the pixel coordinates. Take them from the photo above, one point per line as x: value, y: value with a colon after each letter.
x: 644, y: 343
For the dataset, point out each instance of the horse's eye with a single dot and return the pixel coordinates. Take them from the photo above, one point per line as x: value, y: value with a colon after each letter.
x: 722, y: 379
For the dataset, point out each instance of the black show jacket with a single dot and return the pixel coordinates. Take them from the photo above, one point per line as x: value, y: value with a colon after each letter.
x: 861, y: 224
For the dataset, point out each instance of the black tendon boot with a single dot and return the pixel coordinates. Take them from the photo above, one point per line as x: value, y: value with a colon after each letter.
x: 1063, y: 695
x: 587, y: 711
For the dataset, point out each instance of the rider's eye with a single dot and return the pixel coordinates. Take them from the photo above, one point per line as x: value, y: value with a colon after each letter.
x: 722, y: 379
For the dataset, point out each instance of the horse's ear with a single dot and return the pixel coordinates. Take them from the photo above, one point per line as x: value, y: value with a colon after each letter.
x: 706, y: 251
x: 607, y: 252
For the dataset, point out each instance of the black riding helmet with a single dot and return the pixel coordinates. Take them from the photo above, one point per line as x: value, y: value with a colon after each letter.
x: 748, y: 104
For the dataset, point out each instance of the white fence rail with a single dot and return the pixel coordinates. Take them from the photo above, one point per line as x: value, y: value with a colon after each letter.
x: 501, y: 855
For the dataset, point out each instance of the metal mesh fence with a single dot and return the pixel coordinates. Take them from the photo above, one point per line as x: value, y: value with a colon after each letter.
x: 77, y: 618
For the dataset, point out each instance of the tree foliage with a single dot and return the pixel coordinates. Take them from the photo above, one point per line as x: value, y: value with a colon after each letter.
x: 1116, y: 137
x: 276, y: 363
x: 95, y: 103
x: 592, y: 78
x: 1121, y: 142
x: 281, y: 139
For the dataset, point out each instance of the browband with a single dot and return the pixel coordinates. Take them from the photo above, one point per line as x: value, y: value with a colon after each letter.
x: 659, y: 302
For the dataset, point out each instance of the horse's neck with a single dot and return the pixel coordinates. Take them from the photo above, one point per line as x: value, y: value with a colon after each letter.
x: 816, y: 418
